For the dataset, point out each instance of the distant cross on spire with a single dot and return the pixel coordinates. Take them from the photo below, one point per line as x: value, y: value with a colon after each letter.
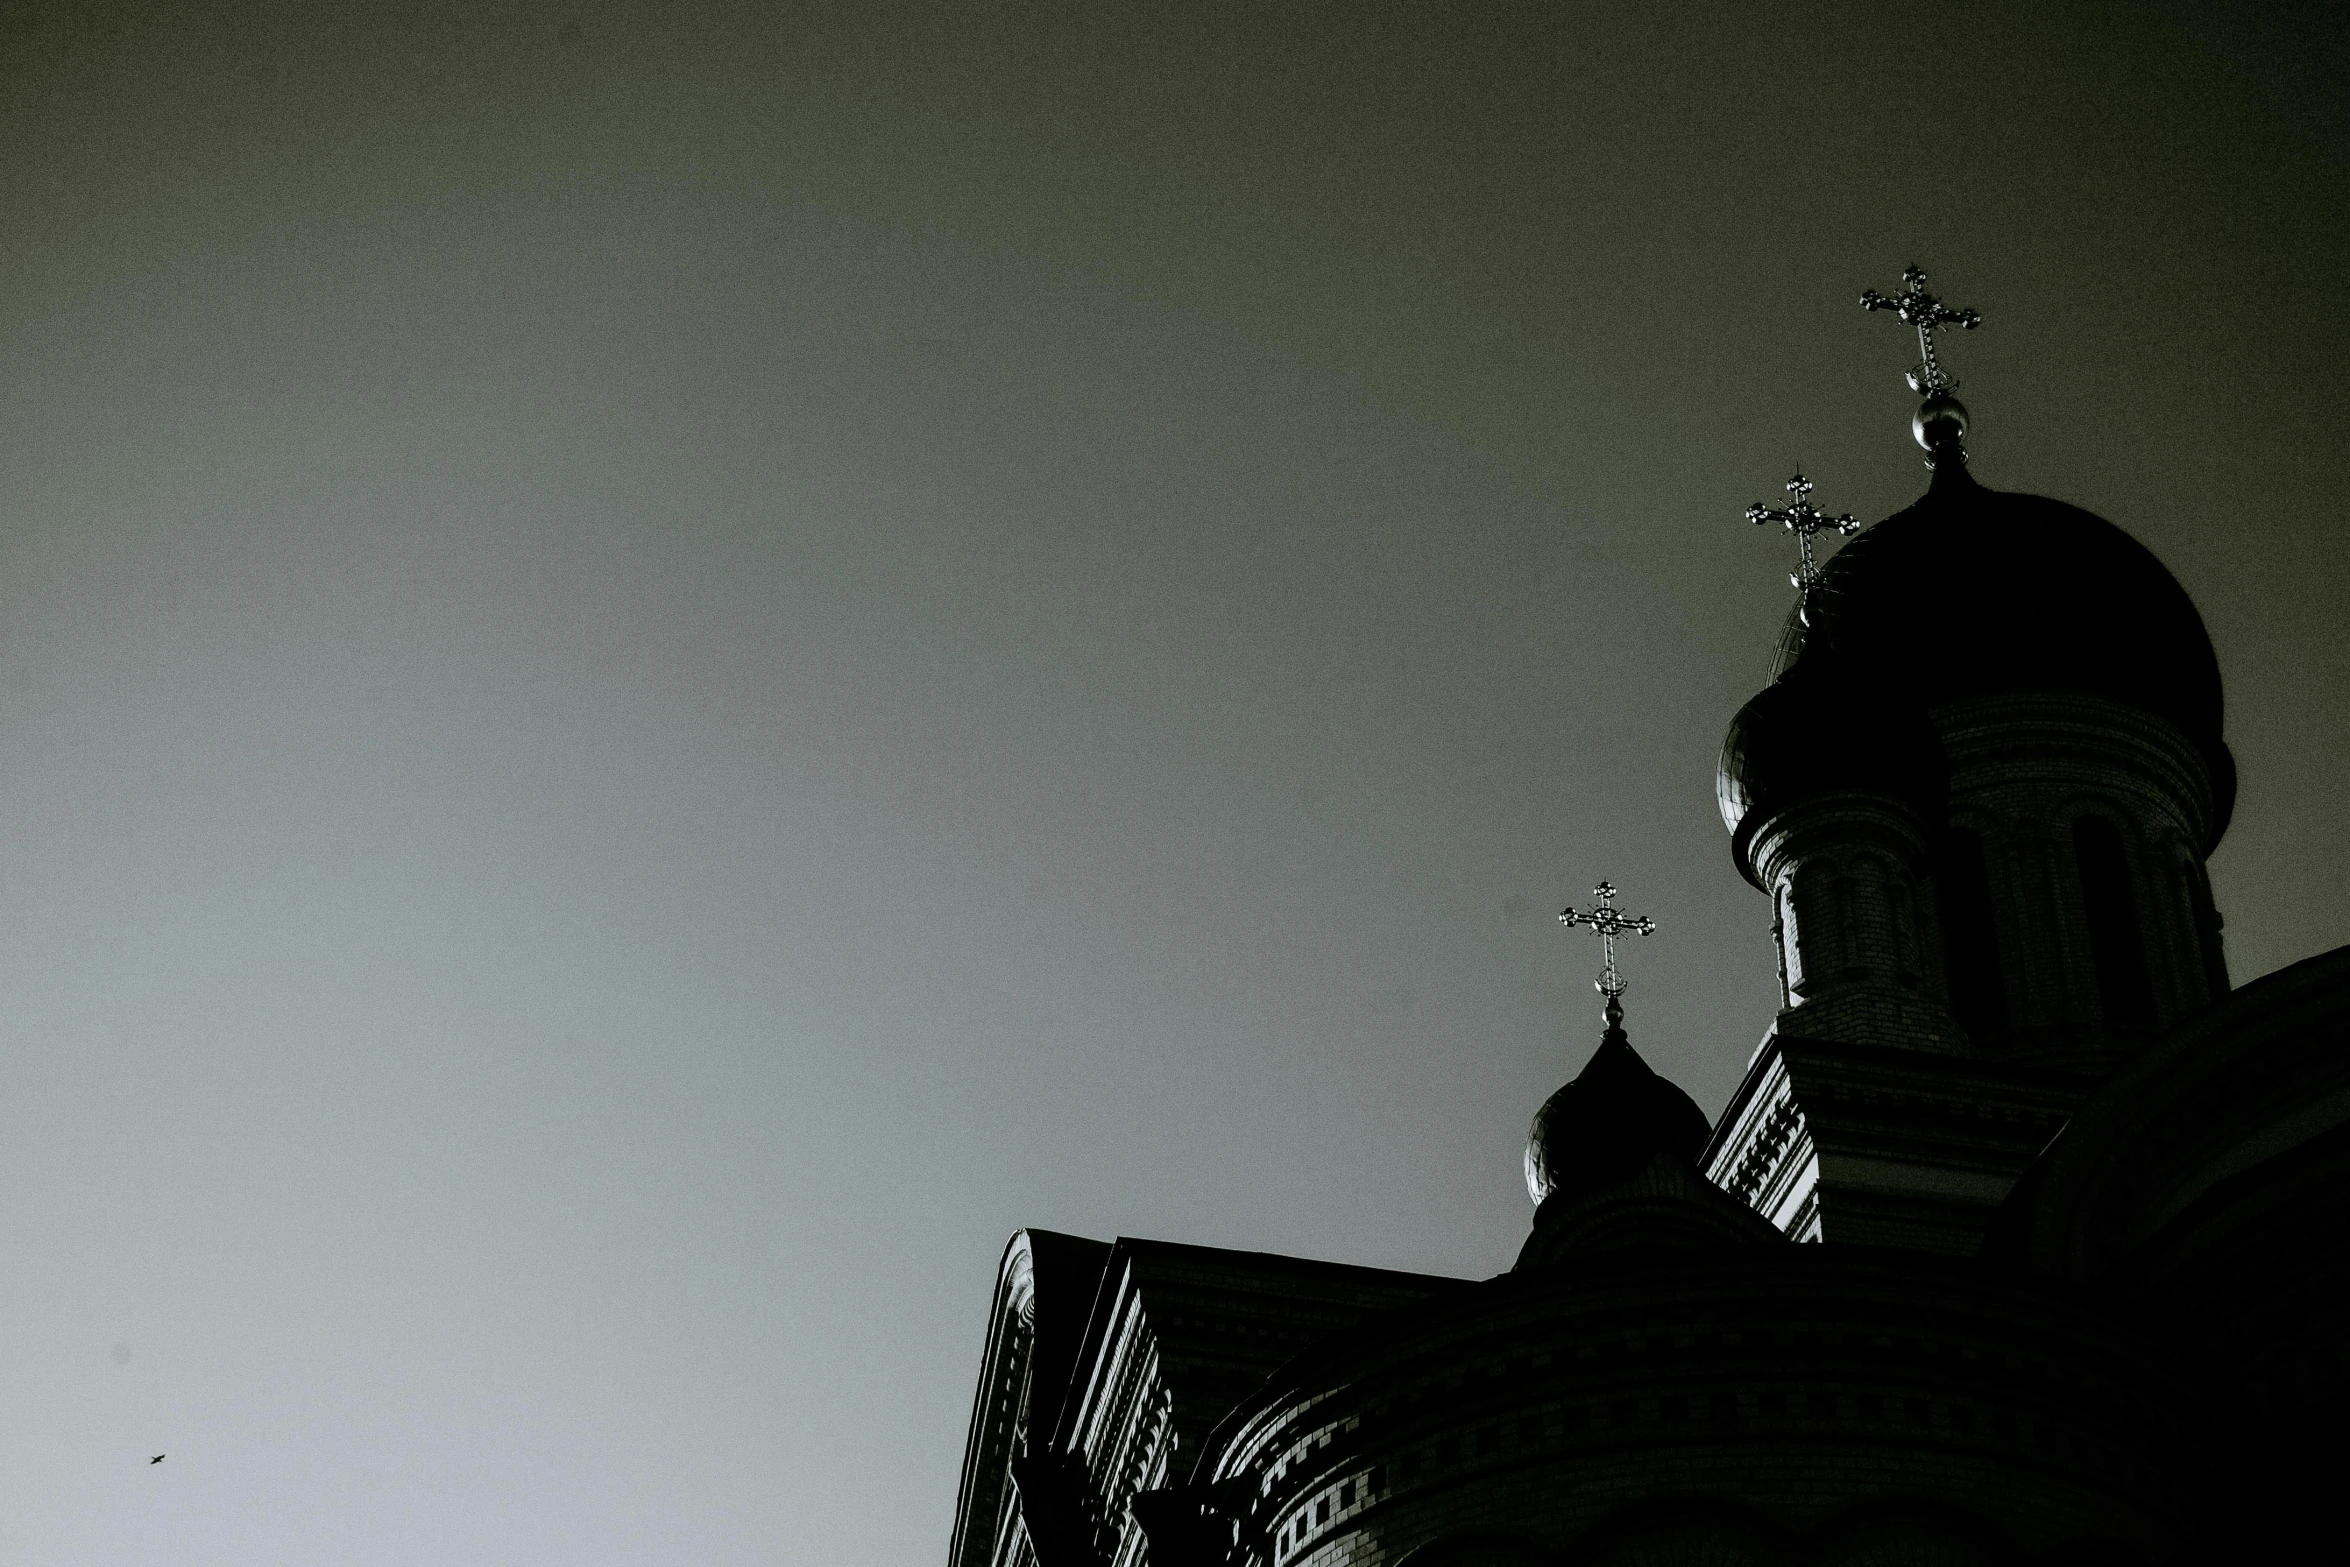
x: 1610, y: 922
x: 1922, y: 310
x: 1803, y: 519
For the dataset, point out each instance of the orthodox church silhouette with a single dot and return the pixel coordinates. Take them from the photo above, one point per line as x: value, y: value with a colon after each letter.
x: 2080, y: 1282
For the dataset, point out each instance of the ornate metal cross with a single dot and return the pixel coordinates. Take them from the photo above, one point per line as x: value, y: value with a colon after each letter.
x: 1611, y: 922
x: 1803, y: 519
x: 1922, y: 310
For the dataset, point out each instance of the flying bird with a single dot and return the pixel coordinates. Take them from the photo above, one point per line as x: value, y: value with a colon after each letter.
x: 158, y: 1458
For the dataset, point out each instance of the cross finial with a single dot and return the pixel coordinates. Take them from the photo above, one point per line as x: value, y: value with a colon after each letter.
x: 1803, y: 519
x: 1922, y: 310
x: 1610, y: 922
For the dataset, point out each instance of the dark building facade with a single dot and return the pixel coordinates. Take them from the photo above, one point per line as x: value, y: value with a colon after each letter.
x: 2026, y: 1238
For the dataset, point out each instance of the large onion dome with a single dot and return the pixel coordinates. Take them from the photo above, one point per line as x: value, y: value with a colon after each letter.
x: 1973, y: 590
x: 1969, y: 592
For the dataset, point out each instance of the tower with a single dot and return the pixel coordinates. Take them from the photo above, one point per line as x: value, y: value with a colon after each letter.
x: 1979, y: 791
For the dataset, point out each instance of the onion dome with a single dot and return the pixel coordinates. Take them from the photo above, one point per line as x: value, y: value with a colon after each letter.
x: 1821, y: 728
x: 1979, y: 592
x: 1615, y: 1117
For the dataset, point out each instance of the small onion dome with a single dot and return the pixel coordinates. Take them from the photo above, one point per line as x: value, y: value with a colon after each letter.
x: 1978, y: 592
x: 1614, y: 1118
x: 1817, y: 729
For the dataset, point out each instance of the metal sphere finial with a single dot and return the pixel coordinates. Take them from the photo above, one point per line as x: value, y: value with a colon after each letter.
x: 1919, y: 309
x: 1940, y: 423
x: 1940, y: 426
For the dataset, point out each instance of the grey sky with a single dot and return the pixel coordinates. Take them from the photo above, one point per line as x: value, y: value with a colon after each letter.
x: 662, y: 667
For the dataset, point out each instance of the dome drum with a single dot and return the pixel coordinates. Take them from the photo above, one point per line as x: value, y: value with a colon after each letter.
x: 2097, y: 813
x: 2018, y: 754
x: 1666, y: 1205
x: 1855, y: 920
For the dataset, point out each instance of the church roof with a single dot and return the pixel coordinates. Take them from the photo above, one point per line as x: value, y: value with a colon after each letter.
x: 1217, y: 1323
x: 2186, y: 1122
x: 1105, y: 1360
x: 1045, y: 1286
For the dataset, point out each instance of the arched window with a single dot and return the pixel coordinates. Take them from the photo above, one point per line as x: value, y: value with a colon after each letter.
x: 1970, y: 940
x: 2122, y: 985
x: 1810, y: 926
